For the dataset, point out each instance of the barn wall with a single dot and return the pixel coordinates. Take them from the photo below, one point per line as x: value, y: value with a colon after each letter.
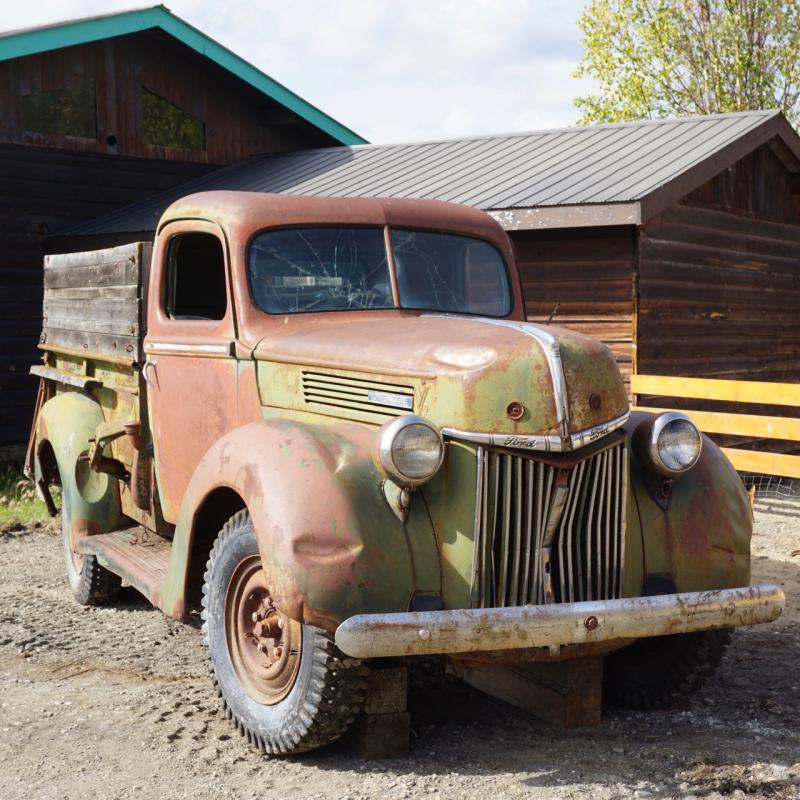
x: 588, y: 272
x: 719, y: 278
x: 239, y: 120
x: 43, y: 190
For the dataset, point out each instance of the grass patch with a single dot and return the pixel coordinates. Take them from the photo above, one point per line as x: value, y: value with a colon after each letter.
x: 19, y: 504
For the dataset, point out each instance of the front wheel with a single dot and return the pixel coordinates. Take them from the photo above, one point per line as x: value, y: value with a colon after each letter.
x: 284, y: 685
x: 662, y: 671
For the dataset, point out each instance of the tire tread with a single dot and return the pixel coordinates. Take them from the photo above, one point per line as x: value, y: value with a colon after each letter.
x: 339, y: 682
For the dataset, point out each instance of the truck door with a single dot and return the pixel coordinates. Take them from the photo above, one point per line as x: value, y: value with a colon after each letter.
x: 190, y: 368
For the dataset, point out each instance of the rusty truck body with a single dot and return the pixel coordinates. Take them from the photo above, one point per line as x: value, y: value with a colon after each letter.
x: 326, y: 423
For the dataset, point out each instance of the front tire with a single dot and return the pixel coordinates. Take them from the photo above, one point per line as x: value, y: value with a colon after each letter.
x: 91, y: 584
x: 284, y: 685
x: 662, y: 671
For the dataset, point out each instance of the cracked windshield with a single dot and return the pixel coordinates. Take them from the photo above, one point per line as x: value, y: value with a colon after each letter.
x: 337, y: 269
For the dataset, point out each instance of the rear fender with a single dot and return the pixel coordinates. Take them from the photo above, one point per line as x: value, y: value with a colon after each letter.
x: 330, y: 545
x: 66, y: 422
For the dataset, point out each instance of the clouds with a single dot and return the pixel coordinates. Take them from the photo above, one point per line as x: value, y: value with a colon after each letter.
x: 393, y: 71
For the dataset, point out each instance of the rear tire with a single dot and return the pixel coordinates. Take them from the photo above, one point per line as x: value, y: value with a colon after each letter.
x: 284, y: 685
x: 662, y: 671
x: 91, y: 584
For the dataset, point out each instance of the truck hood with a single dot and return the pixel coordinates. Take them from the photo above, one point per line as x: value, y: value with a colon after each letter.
x: 465, y: 373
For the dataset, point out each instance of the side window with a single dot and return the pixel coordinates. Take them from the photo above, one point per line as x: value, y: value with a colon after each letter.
x: 68, y: 111
x: 166, y: 125
x: 196, y: 277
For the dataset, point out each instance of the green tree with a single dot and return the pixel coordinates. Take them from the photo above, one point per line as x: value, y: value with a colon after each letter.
x: 656, y: 58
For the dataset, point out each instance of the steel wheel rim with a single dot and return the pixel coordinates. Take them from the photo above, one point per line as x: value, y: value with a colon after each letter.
x: 264, y: 645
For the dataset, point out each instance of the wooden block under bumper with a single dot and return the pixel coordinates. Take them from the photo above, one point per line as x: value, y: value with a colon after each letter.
x: 568, y: 694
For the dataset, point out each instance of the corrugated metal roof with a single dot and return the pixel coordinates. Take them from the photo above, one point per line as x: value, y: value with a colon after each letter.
x: 597, y: 164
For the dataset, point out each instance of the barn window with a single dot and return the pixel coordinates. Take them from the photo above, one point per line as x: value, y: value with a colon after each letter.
x: 67, y: 110
x: 166, y: 125
x: 196, y: 277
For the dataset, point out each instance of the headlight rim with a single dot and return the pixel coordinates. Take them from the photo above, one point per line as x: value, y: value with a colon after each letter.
x: 385, y: 460
x: 653, y: 454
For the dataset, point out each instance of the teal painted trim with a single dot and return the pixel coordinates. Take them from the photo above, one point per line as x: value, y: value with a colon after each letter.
x: 40, y: 40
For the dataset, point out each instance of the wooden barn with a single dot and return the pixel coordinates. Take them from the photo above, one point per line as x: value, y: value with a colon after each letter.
x: 98, y: 113
x: 677, y: 241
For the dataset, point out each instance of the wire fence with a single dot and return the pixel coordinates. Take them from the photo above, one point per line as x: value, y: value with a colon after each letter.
x: 771, y: 487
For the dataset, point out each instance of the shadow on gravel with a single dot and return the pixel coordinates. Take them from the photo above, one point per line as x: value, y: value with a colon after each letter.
x: 740, y: 731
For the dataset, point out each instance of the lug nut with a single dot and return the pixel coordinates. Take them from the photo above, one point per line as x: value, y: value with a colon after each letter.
x: 262, y: 648
x: 256, y: 617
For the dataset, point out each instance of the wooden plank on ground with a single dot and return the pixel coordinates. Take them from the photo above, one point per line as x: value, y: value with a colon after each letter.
x: 764, y: 463
x: 739, y: 424
x: 774, y: 394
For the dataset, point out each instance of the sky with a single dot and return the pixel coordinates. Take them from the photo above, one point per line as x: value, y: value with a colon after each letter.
x: 392, y: 71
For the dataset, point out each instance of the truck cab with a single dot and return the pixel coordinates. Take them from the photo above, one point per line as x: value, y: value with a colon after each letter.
x: 326, y: 424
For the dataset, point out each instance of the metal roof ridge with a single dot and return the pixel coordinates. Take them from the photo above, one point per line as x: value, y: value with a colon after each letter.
x: 765, y: 113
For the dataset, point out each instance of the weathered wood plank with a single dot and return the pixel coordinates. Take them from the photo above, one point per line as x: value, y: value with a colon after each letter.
x: 93, y: 293
x: 765, y: 427
x: 124, y: 272
x: 121, y: 327
x: 126, y: 347
x: 776, y: 394
x: 106, y: 308
x: 764, y: 463
x: 567, y: 694
x: 89, y: 258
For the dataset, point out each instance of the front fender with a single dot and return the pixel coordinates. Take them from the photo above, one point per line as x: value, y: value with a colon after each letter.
x: 701, y: 539
x: 330, y: 545
x: 91, y: 499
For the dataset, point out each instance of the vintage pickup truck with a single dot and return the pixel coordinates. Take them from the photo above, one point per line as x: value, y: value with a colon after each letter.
x: 326, y: 423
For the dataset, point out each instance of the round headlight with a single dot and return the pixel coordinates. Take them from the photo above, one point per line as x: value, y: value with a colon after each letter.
x: 410, y: 450
x: 673, y: 444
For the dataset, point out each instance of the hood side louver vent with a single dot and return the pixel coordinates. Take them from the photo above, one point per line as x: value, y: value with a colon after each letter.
x: 364, y: 399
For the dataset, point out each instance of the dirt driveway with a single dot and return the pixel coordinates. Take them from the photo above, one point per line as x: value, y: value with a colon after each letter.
x: 115, y: 703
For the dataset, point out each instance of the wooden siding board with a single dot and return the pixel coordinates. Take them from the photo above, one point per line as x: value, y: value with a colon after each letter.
x: 720, y: 278
x: 720, y: 287
x: 588, y: 273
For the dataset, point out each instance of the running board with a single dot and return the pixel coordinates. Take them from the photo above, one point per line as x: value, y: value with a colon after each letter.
x: 139, y: 557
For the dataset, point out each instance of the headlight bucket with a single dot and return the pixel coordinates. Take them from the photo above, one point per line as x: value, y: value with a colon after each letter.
x: 410, y: 450
x: 669, y: 444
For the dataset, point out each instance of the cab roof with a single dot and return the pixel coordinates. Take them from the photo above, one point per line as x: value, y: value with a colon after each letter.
x: 248, y: 212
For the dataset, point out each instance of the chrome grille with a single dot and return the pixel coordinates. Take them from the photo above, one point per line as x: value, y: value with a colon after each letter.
x: 547, y: 534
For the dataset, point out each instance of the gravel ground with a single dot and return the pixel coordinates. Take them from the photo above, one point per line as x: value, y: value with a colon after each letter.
x: 116, y: 703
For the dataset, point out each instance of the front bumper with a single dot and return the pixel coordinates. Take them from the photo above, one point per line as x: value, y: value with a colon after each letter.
x: 553, y: 626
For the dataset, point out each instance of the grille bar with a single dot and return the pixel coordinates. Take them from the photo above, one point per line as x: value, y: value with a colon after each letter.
x: 544, y: 534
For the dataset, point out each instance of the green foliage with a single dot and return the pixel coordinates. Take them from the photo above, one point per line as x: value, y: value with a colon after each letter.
x: 19, y: 505
x: 68, y: 110
x: 166, y: 125
x: 657, y: 58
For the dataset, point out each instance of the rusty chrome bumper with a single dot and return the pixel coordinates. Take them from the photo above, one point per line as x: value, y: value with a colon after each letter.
x: 472, y: 630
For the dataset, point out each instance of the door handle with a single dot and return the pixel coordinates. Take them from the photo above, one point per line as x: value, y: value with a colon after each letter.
x: 150, y: 362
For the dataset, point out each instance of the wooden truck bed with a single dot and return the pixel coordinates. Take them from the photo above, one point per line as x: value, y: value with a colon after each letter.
x: 94, y: 301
